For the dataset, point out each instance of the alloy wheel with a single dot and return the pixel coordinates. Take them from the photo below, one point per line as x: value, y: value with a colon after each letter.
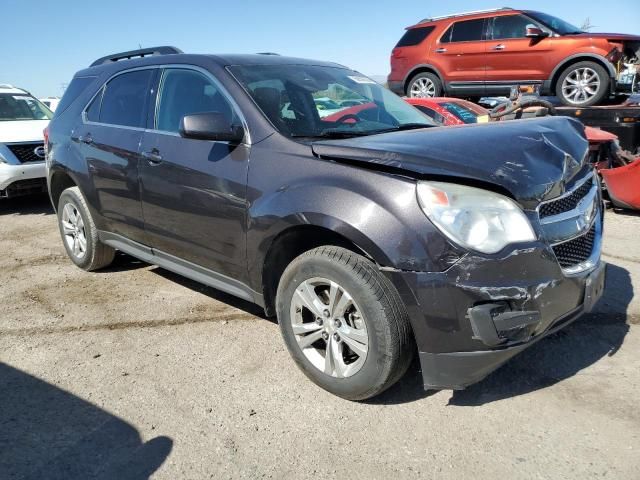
x: 422, y: 88
x: 329, y: 327
x: 73, y: 230
x: 581, y: 85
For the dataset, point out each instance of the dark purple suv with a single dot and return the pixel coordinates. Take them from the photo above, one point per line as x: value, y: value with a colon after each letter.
x: 371, y: 235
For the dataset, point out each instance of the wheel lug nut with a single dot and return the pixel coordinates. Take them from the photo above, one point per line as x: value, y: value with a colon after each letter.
x: 319, y: 321
x: 336, y: 337
x: 326, y: 313
x: 325, y: 336
x: 338, y: 323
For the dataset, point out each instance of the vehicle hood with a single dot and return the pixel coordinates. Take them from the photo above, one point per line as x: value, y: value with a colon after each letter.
x: 611, y: 36
x: 532, y: 159
x: 22, y: 131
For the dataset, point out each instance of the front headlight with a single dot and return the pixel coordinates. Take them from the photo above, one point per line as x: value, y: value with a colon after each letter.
x: 474, y: 218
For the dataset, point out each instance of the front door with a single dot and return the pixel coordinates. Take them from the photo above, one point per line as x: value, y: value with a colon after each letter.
x: 512, y: 58
x: 194, y: 191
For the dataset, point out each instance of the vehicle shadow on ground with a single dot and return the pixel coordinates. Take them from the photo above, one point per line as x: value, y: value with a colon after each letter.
x: 27, y: 205
x: 564, y: 354
x: 626, y: 212
x: 46, y: 432
x: 248, y: 307
x: 551, y: 360
x: 123, y: 262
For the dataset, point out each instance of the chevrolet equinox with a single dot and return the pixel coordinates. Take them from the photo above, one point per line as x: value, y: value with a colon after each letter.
x: 372, y: 236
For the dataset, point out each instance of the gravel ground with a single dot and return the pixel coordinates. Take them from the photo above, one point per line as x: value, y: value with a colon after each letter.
x: 135, y: 372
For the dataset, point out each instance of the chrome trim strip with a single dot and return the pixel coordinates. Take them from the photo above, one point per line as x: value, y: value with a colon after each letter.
x: 578, y: 184
x: 162, y: 67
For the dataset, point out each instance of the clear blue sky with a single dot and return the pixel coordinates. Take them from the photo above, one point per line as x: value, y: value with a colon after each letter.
x: 45, y: 42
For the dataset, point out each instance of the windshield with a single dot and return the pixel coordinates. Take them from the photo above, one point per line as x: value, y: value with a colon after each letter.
x: 554, y: 23
x: 15, y: 107
x: 318, y: 101
x: 466, y: 113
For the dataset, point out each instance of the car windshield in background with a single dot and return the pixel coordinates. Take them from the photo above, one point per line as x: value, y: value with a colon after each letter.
x: 554, y: 23
x: 15, y: 107
x: 320, y: 101
x: 464, y: 113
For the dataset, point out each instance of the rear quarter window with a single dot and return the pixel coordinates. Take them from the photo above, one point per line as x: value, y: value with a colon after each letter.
x: 73, y: 91
x: 414, y: 36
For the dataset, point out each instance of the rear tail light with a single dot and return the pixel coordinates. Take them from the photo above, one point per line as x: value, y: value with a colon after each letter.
x: 45, y: 133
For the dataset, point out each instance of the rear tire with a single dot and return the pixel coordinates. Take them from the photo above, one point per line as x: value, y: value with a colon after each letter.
x: 79, y: 233
x: 424, y: 85
x: 583, y: 84
x: 365, y: 330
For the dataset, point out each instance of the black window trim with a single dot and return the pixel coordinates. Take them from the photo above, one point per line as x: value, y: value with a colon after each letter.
x: 223, y: 91
x: 484, y: 31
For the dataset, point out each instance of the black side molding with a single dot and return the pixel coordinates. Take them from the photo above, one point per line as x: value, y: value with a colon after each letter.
x: 142, y: 52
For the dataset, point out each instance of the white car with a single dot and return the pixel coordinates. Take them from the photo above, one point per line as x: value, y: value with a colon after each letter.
x: 50, y: 102
x: 22, y: 155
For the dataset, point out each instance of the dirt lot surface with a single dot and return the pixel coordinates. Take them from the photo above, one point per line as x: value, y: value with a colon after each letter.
x: 136, y: 372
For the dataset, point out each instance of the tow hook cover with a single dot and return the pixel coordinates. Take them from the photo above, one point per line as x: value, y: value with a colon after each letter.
x: 489, y: 320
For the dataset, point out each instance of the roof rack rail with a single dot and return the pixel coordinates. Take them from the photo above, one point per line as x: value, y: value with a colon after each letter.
x: 268, y: 53
x: 6, y: 85
x: 142, y: 52
x: 464, y: 14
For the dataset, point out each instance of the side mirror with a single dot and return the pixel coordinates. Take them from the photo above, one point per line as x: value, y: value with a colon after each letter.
x: 535, y: 32
x: 210, y: 126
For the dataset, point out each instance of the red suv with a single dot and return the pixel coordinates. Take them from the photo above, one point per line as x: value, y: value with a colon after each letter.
x: 487, y: 52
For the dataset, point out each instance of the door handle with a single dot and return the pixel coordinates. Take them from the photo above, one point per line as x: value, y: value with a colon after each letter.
x: 86, y: 139
x: 440, y: 50
x: 153, y: 157
x: 499, y: 47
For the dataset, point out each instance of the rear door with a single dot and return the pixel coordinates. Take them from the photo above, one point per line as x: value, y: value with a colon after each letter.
x: 512, y: 57
x: 194, y: 191
x: 460, y: 55
x: 109, y: 139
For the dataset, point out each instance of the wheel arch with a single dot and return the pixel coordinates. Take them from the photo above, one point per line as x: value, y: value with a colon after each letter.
x: 292, y: 242
x: 59, y: 181
x: 422, y: 68
x: 581, y: 57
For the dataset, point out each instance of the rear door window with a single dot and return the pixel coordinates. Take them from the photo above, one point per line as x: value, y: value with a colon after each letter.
x: 414, y: 36
x: 125, y: 98
x: 510, y: 26
x: 465, y: 31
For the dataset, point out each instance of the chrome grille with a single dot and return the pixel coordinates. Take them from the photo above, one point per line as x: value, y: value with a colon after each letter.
x: 572, y: 224
x: 567, y: 203
x: 25, y: 152
x: 576, y: 250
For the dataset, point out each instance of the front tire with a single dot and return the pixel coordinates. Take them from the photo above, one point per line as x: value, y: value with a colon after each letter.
x: 79, y: 232
x: 344, y: 323
x: 424, y: 85
x: 583, y: 84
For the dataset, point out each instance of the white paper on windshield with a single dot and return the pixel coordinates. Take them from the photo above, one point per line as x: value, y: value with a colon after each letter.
x: 361, y: 79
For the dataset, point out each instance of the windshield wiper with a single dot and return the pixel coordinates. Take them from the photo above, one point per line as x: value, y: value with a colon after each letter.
x: 335, y: 134
x: 332, y: 133
x: 405, y: 126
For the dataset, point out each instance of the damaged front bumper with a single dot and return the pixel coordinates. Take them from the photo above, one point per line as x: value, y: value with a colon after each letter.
x: 482, y: 311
